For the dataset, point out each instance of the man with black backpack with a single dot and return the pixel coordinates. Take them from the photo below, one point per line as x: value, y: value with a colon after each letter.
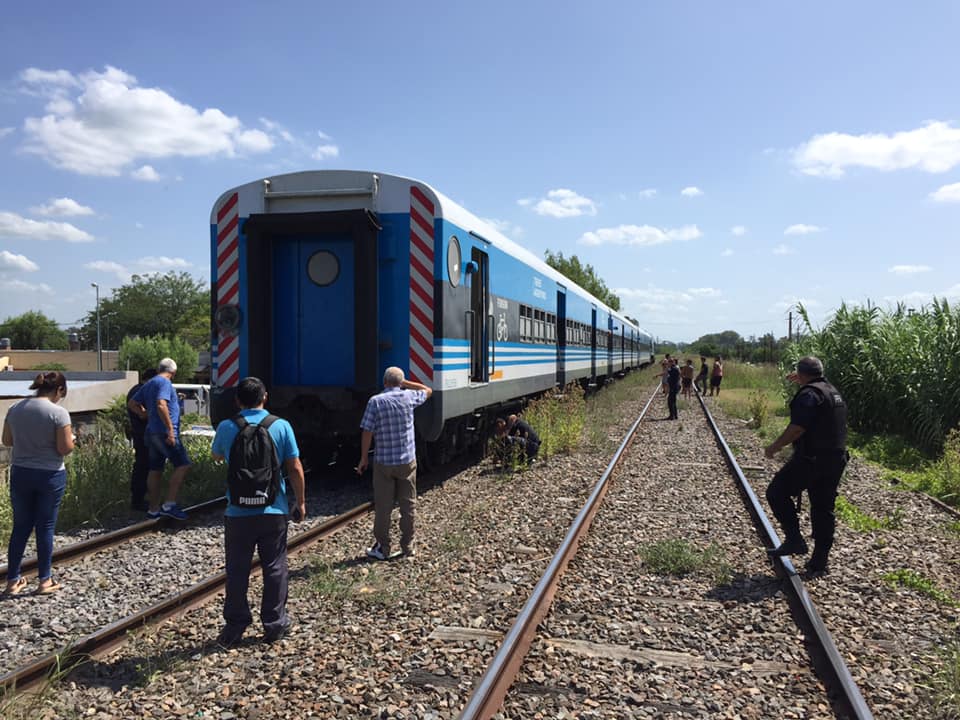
x: 262, y: 456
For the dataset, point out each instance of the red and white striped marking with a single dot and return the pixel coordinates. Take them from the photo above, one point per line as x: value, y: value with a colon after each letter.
x: 421, y: 287
x: 227, y: 358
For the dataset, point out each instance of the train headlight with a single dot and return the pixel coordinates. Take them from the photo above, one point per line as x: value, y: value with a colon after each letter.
x: 228, y: 318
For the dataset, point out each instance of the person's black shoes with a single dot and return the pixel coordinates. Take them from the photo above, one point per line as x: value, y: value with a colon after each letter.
x: 229, y: 637
x: 276, y: 634
x: 796, y: 546
x: 815, y: 568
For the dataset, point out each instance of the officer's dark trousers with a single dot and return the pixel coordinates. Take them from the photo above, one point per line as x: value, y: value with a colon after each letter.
x: 268, y: 535
x: 820, y: 477
x: 672, y: 404
x: 141, y: 466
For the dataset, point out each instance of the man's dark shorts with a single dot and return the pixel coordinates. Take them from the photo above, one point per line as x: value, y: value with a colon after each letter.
x: 160, y: 452
x: 715, y: 381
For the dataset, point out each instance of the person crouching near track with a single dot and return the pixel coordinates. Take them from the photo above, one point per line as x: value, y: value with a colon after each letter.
x: 388, y: 418
x: 41, y: 434
x: 818, y: 431
x: 262, y: 456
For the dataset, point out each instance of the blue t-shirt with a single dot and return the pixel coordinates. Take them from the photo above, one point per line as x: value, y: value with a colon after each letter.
x: 286, y: 443
x: 159, y: 388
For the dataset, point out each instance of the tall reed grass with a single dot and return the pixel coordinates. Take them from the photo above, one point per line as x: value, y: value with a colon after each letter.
x: 899, y: 371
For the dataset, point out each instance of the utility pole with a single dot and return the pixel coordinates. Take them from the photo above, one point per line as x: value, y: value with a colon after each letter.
x: 790, y: 326
x: 99, y: 345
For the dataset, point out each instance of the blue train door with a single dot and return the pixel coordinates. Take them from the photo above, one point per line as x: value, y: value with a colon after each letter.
x: 480, y: 317
x: 593, y: 344
x: 313, y: 302
x: 561, y: 335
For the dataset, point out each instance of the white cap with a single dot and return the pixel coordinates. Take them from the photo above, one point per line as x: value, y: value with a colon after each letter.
x: 167, y: 365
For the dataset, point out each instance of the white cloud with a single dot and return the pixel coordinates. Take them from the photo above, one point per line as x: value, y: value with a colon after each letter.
x: 563, y: 203
x: 909, y: 269
x: 524, y: 202
x: 643, y: 235
x: 934, y: 148
x: 102, y: 123
x: 511, y: 230
x: 325, y: 152
x: 802, y: 229
x: 10, y: 261
x: 691, y: 191
x: 62, y: 207
x: 4, y: 131
x: 23, y: 286
x: 652, y: 300
x: 145, y: 173
x: 726, y: 253
x: 17, y: 226
x: 256, y: 141
x: 738, y: 230
x: 790, y: 302
x: 706, y: 292
x: 143, y: 266
x: 648, y: 193
x: 782, y: 249
x: 108, y: 266
x: 947, y: 194
x: 162, y: 262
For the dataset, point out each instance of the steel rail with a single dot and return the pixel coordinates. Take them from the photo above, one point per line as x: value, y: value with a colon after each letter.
x: 490, y: 692
x: 72, y: 551
x: 828, y: 662
x: 115, y: 634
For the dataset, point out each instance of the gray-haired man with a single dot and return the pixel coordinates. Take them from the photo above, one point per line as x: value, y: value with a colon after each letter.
x: 389, y: 419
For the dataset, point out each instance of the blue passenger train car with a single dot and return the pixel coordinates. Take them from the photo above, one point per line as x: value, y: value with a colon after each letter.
x: 323, y: 279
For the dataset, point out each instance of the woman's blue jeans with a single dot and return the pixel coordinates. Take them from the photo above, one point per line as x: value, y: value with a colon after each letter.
x: 35, y: 496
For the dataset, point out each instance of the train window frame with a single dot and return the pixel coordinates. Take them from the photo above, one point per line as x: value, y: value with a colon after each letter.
x: 454, y: 272
x: 312, y: 275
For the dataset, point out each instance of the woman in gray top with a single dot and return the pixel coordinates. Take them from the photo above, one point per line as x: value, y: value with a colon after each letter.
x: 40, y: 432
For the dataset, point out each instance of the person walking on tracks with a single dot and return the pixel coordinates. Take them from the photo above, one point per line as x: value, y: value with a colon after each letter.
x: 673, y: 383
x: 157, y: 400
x: 41, y: 434
x: 262, y: 457
x: 818, y: 432
x: 388, y: 418
x: 701, y: 381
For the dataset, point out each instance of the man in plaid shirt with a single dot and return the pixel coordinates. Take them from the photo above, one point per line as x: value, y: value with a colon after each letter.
x: 389, y: 419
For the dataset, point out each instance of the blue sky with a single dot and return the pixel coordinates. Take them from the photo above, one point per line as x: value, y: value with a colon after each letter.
x: 716, y: 163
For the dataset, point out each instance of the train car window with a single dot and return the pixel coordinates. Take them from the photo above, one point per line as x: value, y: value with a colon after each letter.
x: 323, y: 268
x: 453, y: 261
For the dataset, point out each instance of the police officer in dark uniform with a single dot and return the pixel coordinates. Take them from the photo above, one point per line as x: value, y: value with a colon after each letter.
x: 818, y: 432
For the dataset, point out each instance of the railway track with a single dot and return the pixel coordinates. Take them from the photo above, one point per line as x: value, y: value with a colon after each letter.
x: 71, y: 552
x: 115, y: 633
x: 413, y: 639
x: 609, y: 650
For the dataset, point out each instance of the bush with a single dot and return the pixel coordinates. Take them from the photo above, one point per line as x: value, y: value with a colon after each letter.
x: 558, y: 418
x: 142, y: 354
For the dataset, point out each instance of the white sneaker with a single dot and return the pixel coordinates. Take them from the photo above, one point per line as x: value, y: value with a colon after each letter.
x: 376, y: 552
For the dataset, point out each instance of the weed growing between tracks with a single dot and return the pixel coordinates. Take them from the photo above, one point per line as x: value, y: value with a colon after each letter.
x: 39, y: 701
x: 919, y: 583
x: 863, y: 522
x: 679, y: 558
x: 341, y: 584
x: 946, y: 682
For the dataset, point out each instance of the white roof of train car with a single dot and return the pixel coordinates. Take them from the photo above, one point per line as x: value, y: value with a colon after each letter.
x: 252, y: 194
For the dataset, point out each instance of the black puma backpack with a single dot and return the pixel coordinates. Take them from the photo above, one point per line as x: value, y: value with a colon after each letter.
x: 253, y: 469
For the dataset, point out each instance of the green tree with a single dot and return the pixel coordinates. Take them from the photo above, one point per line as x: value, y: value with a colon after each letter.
x: 171, y: 305
x: 583, y: 275
x: 142, y: 353
x: 33, y: 331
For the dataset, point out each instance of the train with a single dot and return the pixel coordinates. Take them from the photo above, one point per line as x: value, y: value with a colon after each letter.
x: 322, y: 279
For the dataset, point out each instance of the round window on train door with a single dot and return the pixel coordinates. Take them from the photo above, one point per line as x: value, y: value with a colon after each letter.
x: 453, y: 260
x: 323, y: 268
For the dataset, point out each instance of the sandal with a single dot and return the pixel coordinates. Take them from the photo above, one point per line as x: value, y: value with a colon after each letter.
x: 48, y: 589
x: 16, y: 587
